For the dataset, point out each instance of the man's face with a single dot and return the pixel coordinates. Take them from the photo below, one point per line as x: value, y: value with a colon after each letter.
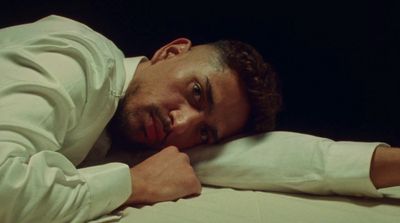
x: 182, y: 98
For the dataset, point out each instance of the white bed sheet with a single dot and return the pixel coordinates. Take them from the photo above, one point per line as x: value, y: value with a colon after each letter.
x: 275, y: 161
x: 219, y: 205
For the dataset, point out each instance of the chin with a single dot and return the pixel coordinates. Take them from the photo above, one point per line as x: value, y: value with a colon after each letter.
x: 142, y: 144
x: 155, y: 146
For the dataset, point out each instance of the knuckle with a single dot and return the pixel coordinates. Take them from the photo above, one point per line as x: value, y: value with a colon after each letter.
x: 184, y: 157
x: 172, y: 149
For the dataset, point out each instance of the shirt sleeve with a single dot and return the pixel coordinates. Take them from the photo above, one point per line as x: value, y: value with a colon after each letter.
x: 37, y: 182
x: 289, y: 162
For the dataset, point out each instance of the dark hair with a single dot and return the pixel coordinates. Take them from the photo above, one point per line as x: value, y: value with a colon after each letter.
x: 259, y: 80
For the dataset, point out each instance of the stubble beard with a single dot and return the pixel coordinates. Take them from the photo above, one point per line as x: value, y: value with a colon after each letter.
x: 119, y: 127
x: 126, y: 127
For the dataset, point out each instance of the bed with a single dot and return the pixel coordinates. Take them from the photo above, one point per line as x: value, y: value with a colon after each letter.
x: 255, y: 179
x: 217, y: 205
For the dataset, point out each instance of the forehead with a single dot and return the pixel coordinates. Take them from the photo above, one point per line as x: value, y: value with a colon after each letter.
x: 231, y: 107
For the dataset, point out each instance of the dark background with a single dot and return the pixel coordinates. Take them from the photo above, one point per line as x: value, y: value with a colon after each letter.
x: 338, y: 62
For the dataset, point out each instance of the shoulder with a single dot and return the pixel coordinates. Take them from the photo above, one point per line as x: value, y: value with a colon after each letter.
x: 59, y: 31
x: 57, y: 22
x: 59, y: 26
x: 50, y: 26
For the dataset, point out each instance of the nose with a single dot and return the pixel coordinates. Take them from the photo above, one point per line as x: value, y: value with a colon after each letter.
x: 185, y: 118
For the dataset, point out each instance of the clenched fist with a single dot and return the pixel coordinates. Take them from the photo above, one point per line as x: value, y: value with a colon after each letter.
x: 165, y: 176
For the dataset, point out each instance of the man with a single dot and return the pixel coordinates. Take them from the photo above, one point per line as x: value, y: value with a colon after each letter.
x: 61, y: 84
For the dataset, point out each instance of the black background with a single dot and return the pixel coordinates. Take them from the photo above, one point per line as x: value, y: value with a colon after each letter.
x: 338, y: 62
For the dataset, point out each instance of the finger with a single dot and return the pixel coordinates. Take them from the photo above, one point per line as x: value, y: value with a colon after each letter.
x: 171, y: 149
x: 184, y: 157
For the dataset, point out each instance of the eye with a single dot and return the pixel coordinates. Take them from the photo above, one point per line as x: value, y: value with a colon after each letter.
x: 204, y: 135
x: 197, y: 91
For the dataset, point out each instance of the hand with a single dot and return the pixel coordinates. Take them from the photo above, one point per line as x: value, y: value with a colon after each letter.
x: 385, y: 166
x: 164, y: 176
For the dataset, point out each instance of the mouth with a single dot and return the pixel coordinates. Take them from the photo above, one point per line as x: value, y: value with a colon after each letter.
x: 154, y: 130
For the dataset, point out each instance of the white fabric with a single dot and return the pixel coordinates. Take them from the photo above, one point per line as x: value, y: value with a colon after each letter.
x: 288, y: 162
x: 217, y: 205
x: 283, y: 162
x: 58, y: 85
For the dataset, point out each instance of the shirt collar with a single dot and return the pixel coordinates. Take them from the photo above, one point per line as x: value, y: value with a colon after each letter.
x: 131, y: 64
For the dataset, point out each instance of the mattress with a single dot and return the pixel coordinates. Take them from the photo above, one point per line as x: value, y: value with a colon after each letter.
x: 277, y: 177
x: 216, y: 205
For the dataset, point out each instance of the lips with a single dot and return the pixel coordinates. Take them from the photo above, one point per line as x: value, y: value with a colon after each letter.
x: 154, y: 130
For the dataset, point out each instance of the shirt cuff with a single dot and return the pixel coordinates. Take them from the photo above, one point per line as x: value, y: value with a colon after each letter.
x: 109, y: 187
x: 348, y: 168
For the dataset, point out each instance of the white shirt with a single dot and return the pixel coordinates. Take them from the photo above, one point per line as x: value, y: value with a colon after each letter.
x: 60, y: 84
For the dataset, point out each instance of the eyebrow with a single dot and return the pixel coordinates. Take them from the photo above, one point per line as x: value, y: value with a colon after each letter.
x: 210, y: 100
x: 209, y: 95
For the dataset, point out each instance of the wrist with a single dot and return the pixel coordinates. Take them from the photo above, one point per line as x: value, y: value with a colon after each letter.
x: 385, y: 167
x: 140, y: 190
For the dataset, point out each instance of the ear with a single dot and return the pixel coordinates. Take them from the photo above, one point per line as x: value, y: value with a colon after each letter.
x: 172, y: 49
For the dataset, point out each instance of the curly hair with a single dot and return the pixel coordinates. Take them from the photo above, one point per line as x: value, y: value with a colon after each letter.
x: 259, y: 80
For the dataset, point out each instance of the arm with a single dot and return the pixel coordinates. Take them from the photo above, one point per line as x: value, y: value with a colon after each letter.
x: 164, y: 176
x: 38, y: 110
x: 385, y: 167
x: 39, y: 182
x: 289, y: 162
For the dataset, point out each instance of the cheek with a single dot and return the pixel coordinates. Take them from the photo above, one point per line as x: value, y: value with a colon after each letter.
x: 236, y: 122
x: 143, y: 97
x: 185, y: 141
x: 162, y: 90
x: 171, y: 98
